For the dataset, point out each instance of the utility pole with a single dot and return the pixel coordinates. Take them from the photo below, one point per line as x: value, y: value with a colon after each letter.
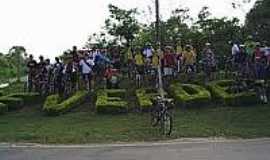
x: 157, y: 23
x: 158, y: 44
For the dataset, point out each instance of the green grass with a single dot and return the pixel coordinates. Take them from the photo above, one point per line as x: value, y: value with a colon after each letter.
x: 82, y: 126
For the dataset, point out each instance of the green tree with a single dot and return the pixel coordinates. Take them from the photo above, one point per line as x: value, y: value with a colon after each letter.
x: 258, y: 20
x: 122, y: 24
x: 15, y: 56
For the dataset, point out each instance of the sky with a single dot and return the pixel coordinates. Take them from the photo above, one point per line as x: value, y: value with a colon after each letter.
x: 48, y: 27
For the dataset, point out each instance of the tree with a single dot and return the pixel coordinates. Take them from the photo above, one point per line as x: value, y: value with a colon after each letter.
x: 15, y: 56
x: 258, y: 20
x: 122, y: 24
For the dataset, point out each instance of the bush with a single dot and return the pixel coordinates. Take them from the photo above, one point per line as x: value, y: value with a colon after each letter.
x: 220, y: 93
x: 52, y: 105
x: 11, y: 102
x: 3, y: 108
x: 190, y: 95
x: 110, y: 101
x: 144, y: 100
x: 28, y: 98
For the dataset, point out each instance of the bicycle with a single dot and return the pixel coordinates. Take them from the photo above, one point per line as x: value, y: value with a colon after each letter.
x: 160, y: 115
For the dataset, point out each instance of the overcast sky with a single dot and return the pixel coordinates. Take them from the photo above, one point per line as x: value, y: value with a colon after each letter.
x: 48, y: 27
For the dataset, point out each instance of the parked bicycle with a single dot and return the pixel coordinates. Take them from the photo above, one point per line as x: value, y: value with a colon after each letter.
x: 161, y: 115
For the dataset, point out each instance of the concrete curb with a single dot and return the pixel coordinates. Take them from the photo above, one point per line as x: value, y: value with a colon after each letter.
x: 139, y: 144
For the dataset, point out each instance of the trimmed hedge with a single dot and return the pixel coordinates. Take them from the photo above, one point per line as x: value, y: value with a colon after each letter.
x: 3, y: 108
x: 54, y: 106
x: 219, y: 92
x: 1, y: 93
x: 111, y: 101
x: 144, y: 100
x: 28, y: 98
x: 12, y: 102
x: 190, y: 95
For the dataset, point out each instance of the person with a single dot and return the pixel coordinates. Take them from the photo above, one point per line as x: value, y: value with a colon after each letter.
x: 139, y: 62
x: 31, y: 72
x: 87, y: 64
x: 49, y: 70
x: 169, y: 63
x: 41, y: 76
x: 179, y: 51
x: 189, y: 58
x: 148, y: 53
x: 57, y: 75
x: 250, y: 48
x: 258, y: 59
x: 111, y: 76
x: 209, y: 62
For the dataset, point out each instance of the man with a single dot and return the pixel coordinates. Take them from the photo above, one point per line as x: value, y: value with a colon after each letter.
x: 139, y: 62
x: 87, y: 64
x: 169, y: 62
x: 209, y: 62
x: 189, y: 58
x: 250, y: 48
x: 31, y: 72
x: 148, y: 53
x: 57, y: 75
x: 111, y: 76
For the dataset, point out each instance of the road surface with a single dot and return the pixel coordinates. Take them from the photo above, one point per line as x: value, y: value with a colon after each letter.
x: 177, y: 150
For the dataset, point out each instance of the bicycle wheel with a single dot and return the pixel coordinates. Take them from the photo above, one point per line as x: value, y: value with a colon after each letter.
x: 166, y: 124
x: 154, y: 118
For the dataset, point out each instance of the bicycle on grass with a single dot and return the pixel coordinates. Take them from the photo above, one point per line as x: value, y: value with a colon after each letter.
x: 160, y: 115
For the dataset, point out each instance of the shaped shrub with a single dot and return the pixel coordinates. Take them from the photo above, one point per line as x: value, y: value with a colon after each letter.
x: 12, y: 102
x: 3, y: 108
x: 54, y: 106
x: 144, y: 100
x: 28, y: 98
x: 219, y: 90
x: 111, y: 101
x: 190, y: 95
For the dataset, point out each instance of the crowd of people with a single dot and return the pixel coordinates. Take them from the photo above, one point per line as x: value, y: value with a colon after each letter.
x: 82, y: 69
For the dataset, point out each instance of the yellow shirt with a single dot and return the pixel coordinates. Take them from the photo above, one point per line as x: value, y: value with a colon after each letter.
x: 129, y: 54
x: 139, y: 59
x: 155, y: 60
x: 189, y: 57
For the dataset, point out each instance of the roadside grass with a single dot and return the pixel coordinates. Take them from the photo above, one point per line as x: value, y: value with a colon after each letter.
x: 82, y: 126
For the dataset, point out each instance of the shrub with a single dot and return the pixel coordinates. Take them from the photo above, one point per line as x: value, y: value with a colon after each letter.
x: 110, y: 101
x: 190, y: 95
x: 3, y: 108
x: 28, y: 98
x: 52, y: 105
x: 144, y: 100
x: 220, y: 93
x: 11, y: 102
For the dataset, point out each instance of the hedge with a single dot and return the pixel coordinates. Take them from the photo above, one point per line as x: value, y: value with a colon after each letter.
x: 189, y: 94
x: 12, y: 102
x: 3, y: 108
x: 111, y: 101
x: 220, y: 93
x: 54, y: 106
x: 28, y: 98
x: 144, y: 100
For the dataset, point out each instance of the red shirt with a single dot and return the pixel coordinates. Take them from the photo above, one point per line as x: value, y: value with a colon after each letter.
x: 169, y: 60
x: 110, y: 72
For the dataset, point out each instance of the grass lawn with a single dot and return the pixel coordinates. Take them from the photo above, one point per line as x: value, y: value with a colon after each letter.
x: 82, y: 126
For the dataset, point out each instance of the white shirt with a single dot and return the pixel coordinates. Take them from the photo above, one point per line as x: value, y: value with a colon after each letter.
x: 86, y: 69
x: 148, y: 52
x: 235, y: 49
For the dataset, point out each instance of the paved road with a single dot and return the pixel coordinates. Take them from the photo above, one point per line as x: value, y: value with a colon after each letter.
x: 198, y: 150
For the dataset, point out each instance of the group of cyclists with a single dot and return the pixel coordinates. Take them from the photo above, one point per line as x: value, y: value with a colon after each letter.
x: 82, y: 69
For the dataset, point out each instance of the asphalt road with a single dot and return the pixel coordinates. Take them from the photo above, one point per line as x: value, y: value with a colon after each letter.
x: 177, y: 150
